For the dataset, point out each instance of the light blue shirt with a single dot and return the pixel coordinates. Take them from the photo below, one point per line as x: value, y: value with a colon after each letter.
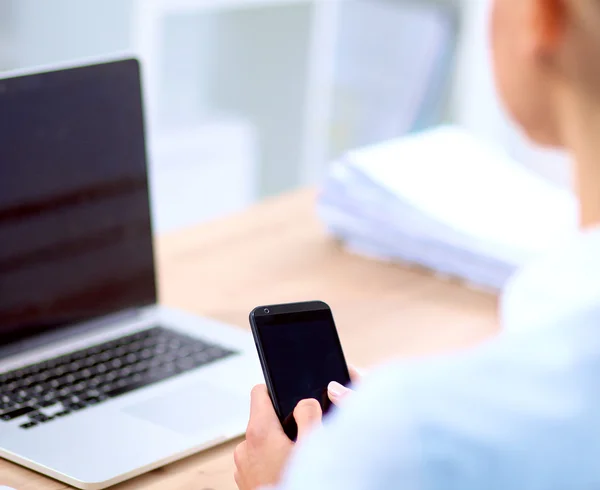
x: 521, y: 412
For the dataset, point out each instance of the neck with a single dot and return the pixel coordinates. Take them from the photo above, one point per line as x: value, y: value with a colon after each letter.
x: 583, y: 140
x: 588, y: 189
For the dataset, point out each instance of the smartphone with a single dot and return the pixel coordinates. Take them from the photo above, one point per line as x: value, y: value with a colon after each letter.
x: 300, y: 353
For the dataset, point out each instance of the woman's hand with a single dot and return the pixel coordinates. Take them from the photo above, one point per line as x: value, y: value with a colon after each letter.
x: 260, y: 459
x: 338, y: 392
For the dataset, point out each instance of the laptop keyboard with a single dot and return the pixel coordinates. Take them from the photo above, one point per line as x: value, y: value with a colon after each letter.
x: 54, y: 388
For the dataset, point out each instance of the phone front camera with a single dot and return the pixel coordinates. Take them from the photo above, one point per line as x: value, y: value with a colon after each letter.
x: 267, y: 311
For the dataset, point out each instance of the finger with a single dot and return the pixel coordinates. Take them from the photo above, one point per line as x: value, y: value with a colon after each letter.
x: 238, y: 480
x: 337, y: 392
x: 261, y: 407
x: 262, y: 414
x: 355, y: 373
x: 307, y: 415
x: 239, y: 455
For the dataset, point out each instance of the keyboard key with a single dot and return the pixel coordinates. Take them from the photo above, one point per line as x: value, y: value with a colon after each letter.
x: 38, y: 389
x: 49, y: 396
x: 200, y: 358
x: 116, y: 363
x: 102, y: 368
x: 46, y: 403
x: 74, y: 366
x: 157, y: 361
x: 12, y: 386
x: 97, y: 381
x: 6, y: 406
x: 19, y: 412
x: 78, y: 356
x: 160, y: 349
x: 22, y: 394
x: 185, y: 364
x: 28, y: 425
x: 64, y: 392
x: 39, y: 417
x: 131, y: 358
x: 79, y: 387
x: 146, y: 354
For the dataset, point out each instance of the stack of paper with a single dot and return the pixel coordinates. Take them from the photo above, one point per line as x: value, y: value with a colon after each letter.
x: 444, y: 200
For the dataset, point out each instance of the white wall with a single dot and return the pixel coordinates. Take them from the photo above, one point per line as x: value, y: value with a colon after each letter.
x: 260, y: 70
x: 6, y: 28
x: 49, y: 31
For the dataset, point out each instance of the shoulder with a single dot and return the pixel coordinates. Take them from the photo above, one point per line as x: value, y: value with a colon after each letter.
x: 504, y: 416
x: 559, y: 285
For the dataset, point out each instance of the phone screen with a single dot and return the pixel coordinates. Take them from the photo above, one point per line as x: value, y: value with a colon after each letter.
x: 302, y: 354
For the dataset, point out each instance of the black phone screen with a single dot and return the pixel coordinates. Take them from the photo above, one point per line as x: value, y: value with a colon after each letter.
x: 302, y: 354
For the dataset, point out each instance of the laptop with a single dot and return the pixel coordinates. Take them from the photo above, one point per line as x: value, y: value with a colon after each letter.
x: 98, y: 382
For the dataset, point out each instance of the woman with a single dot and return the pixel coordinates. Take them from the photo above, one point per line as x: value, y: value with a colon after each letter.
x: 522, y: 411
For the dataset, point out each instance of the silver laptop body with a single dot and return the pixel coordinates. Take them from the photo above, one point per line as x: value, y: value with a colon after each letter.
x: 98, y: 383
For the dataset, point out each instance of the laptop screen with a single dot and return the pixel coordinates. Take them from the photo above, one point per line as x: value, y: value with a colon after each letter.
x: 75, y: 231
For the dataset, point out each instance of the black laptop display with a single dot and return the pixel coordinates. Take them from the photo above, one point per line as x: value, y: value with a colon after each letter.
x: 75, y: 231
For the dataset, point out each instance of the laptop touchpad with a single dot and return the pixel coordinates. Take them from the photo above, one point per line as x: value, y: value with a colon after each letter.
x: 191, y: 409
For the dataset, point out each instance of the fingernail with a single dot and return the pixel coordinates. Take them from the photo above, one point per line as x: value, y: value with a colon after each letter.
x: 336, y: 389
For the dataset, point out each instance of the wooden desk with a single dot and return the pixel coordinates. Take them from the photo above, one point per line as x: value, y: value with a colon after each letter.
x: 278, y: 252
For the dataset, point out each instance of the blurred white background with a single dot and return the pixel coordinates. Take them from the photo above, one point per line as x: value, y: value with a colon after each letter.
x: 249, y: 98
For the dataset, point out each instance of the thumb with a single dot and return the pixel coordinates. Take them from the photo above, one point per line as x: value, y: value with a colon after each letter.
x: 307, y: 414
